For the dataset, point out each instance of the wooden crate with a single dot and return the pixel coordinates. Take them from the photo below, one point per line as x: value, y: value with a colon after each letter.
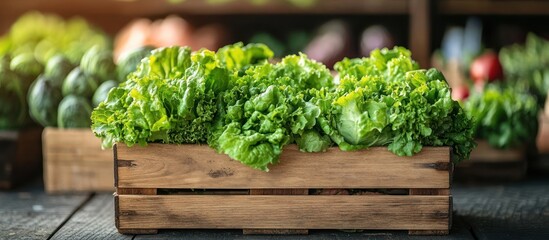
x: 541, y: 163
x: 490, y: 164
x: 164, y: 186
x: 20, y: 156
x: 75, y: 162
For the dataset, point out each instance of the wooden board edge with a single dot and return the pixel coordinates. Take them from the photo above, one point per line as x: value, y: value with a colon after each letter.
x: 440, y: 228
x: 115, y: 161
x: 428, y: 232
x: 248, y: 231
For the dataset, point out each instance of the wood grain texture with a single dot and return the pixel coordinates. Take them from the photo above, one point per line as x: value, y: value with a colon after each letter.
x: 284, y: 212
x: 20, y: 156
x: 493, y: 7
x: 542, y: 140
x: 277, y: 192
x: 197, y: 167
x: 74, y: 161
x: 93, y: 221
x: 433, y: 192
x: 518, y: 210
x: 486, y: 153
x: 198, y: 7
x: 29, y: 213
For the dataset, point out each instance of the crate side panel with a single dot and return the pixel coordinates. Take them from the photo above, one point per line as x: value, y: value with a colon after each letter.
x: 194, y: 166
x: 74, y: 161
x: 284, y: 212
x: 71, y: 145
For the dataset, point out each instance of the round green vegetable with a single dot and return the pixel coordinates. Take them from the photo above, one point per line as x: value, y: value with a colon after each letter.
x: 27, y: 66
x: 57, y: 69
x: 98, y: 62
x: 74, y: 112
x: 13, y: 107
x: 79, y: 83
x: 43, y: 99
x: 128, y: 62
x: 102, y: 92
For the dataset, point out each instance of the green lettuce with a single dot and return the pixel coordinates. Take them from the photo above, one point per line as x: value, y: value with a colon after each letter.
x: 503, y: 116
x: 387, y: 100
x: 268, y: 107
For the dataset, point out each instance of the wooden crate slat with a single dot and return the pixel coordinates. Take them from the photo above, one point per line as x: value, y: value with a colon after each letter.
x: 284, y: 212
x: 163, y: 165
x: 74, y: 161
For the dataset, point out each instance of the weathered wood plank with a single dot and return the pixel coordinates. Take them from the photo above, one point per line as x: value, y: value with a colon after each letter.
x: 277, y: 192
x: 29, y: 213
x: 95, y: 220
x: 505, y: 211
x: 74, y: 161
x: 163, y: 165
x: 433, y: 192
x: 486, y: 153
x: 296, y: 212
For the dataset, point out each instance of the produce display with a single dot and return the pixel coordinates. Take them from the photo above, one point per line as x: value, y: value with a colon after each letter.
x: 249, y: 108
x: 39, y: 44
x: 527, y: 66
x: 503, y: 116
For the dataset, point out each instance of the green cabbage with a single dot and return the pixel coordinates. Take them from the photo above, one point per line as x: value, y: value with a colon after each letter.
x: 102, y: 92
x: 74, y: 112
x: 43, y: 100
x: 79, y: 83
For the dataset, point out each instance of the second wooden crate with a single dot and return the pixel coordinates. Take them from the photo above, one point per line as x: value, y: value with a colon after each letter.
x: 165, y: 186
x: 491, y: 164
x: 75, y: 162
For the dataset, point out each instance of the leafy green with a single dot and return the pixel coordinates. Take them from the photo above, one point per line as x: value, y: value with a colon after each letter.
x: 503, y: 116
x: 170, y: 98
x: 267, y: 108
x: 526, y: 66
x: 248, y: 108
x: 386, y: 99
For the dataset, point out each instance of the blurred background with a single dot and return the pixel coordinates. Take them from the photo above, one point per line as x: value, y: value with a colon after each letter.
x: 494, y: 54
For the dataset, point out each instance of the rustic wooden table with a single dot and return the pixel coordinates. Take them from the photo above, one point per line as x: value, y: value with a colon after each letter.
x: 518, y: 210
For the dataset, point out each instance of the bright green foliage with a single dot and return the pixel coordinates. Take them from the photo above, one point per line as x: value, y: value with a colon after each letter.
x: 248, y: 108
x: 526, y: 66
x: 267, y: 107
x: 74, y: 112
x: 45, y: 36
x: 503, y: 116
x: 170, y: 98
x: 385, y: 99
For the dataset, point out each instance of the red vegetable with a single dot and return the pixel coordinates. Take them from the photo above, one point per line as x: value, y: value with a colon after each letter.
x: 486, y: 68
x: 460, y: 92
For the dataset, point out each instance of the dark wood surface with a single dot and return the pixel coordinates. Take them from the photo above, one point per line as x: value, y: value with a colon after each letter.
x: 516, y: 210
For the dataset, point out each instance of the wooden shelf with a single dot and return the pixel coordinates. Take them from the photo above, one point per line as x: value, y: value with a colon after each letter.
x: 492, y: 7
x: 201, y: 7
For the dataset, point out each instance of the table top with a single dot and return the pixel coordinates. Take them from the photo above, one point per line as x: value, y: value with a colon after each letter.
x: 512, y: 210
